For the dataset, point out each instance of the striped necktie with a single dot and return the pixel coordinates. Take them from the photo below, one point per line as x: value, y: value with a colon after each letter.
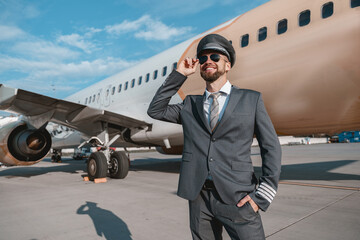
x: 214, y: 110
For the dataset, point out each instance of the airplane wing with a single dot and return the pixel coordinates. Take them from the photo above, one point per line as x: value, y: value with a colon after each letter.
x: 40, y: 109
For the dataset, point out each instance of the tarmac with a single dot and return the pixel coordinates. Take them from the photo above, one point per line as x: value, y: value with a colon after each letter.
x: 318, y: 198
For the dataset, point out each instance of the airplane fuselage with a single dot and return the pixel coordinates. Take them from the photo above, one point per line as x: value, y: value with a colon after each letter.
x: 303, y: 56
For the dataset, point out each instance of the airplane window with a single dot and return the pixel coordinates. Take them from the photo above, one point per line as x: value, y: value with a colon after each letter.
x: 132, y: 83
x: 355, y: 3
x: 282, y: 26
x: 245, y: 40
x: 126, y: 86
x: 98, y: 97
x: 140, y: 80
x: 304, y: 18
x: 85, y: 101
x: 174, y: 65
x: 119, y: 90
x: 262, y: 34
x: 90, y: 99
x: 164, y: 71
x: 94, y: 98
x: 107, y: 92
x: 147, y: 77
x: 113, y: 91
x: 327, y: 10
x: 155, y: 74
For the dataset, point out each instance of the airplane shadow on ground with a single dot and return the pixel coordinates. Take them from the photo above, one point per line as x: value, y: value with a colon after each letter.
x: 31, y: 171
x: 106, y: 223
x: 303, y: 171
x: 317, y: 171
x: 169, y: 165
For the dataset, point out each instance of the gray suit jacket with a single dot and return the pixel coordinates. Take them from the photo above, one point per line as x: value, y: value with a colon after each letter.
x: 225, y: 152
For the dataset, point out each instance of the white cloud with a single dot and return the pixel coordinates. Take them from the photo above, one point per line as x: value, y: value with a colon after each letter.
x: 97, y: 67
x: 156, y: 30
x: 39, y: 75
x: 91, y: 31
x: 45, y: 69
x: 127, y: 26
x: 148, y: 29
x: 13, y: 11
x: 40, y: 49
x: 77, y: 41
x: 10, y: 33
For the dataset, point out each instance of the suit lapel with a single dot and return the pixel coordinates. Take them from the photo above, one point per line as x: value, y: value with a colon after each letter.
x: 234, y: 98
x: 200, y: 109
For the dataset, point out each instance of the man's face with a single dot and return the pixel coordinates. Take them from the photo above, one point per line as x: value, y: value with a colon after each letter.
x: 211, y: 70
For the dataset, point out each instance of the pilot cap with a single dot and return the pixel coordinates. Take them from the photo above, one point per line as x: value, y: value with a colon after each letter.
x: 217, y: 43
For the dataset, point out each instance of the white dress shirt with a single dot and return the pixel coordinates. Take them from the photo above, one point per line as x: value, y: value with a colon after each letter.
x: 222, y: 99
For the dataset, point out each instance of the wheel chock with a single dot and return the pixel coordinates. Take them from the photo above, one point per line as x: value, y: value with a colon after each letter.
x: 100, y: 180
x: 96, y: 180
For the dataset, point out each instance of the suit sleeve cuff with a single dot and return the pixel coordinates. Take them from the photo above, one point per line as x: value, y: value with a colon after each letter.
x: 263, y: 196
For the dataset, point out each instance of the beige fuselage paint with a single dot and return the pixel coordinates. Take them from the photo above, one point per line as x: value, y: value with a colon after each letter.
x: 309, y: 76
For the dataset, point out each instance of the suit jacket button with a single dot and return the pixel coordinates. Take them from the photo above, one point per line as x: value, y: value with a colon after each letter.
x: 213, y: 139
x: 211, y: 159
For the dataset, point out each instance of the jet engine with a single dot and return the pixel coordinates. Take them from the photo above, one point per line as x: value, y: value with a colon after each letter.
x: 20, y: 145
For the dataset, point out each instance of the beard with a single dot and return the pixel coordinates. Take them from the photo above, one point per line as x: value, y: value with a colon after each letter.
x: 212, y: 77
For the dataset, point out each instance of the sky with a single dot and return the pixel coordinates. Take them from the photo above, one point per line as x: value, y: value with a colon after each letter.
x: 58, y: 47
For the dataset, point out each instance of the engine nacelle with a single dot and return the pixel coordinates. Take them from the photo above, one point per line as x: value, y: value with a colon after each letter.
x: 20, y: 145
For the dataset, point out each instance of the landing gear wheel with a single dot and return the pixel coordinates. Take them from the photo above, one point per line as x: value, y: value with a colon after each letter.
x: 119, y: 165
x: 97, y: 166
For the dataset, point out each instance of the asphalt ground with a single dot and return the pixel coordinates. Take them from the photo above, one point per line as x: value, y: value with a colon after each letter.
x: 318, y: 198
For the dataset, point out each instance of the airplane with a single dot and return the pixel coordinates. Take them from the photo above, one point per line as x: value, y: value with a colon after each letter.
x: 302, y: 55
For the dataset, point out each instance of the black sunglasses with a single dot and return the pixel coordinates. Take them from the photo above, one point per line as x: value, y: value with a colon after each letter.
x: 214, y: 57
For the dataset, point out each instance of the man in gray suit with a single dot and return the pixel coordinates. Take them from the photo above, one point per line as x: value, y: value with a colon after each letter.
x: 216, y: 174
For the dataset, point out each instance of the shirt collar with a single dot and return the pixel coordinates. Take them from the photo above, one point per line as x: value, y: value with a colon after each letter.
x: 226, y: 89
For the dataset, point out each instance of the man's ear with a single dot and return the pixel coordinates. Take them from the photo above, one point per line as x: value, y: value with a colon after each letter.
x: 227, y: 66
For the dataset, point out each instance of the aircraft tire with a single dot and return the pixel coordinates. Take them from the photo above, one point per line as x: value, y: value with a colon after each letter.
x: 97, y: 166
x: 119, y: 165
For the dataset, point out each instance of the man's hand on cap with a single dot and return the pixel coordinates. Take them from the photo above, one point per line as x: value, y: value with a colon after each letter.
x: 188, y: 66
